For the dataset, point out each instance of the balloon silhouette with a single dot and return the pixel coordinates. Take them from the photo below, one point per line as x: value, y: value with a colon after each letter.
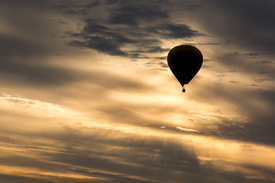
x: 184, y: 61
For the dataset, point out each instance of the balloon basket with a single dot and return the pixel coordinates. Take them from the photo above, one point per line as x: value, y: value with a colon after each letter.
x: 183, y: 89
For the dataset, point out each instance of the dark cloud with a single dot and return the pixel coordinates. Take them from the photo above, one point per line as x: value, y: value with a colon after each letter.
x: 253, y: 104
x: 47, y: 76
x: 23, y: 179
x: 32, y: 25
x: 214, y: 44
x: 259, y: 71
x: 104, y: 154
x: 111, y: 2
x: 25, y: 62
x: 192, y: 7
x: 133, y: 2
x: 153, y: 49
x: 131, y: 15
x: 246, y: 23
x: 71, y: 7
x: 161, y: 58
x: 101, y: 44
x: 62, y: 22
x: 111, y: 40
x: 260, y: 80
x: 265, y: 62
x: 22, y: 60
x: 251, y: 54
x: 101, y: 38
x: 235, y: 54
x: 14, y: 48
x: 174, y: 31
x: 249, y: 28
x: 126, y: 26
x: 164, y: 65
x: 39, y: 75
x: 15, y: 4
x: 92, y: 156
x: 27, y: 45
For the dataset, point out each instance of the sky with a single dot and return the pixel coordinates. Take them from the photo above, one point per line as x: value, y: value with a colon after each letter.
x: 86, y: 94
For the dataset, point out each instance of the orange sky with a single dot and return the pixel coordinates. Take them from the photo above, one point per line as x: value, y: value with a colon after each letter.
x: 86, y: 94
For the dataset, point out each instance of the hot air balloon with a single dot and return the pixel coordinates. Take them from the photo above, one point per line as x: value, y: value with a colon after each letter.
x: 184, y: 61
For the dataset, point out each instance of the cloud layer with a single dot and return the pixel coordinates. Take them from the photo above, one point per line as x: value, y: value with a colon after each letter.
x: 86, y: 94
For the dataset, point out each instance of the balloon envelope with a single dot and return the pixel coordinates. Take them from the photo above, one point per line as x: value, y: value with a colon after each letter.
x: 184, y: 61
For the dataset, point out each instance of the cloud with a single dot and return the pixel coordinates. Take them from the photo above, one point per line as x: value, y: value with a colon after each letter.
x: 115, y: 41
x: 131, y: 15
x: 12, y: 48
x: 101, y: 38
x: 174, y: 31
x: 131, y: 29
x: 79, y: 146
x: 249, y: 26
x: 112, y: 41
x: 15, y: 179
x: 27, y: 3
x: 101, y: 44
x: 163, y: 64
x: 72, y: 115
x: 108, y: 155
x: 71, y: 7
x: 255, y: 121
